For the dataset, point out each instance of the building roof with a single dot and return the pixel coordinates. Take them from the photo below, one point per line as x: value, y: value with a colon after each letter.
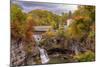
x: 42, y: 28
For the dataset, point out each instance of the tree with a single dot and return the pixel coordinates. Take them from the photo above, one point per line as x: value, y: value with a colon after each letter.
x: 86, y: 11
x: 30, y: 23
x: 83, y: 18
x: 17, y: 20
x: 44, y: 17
x: 63, y: 18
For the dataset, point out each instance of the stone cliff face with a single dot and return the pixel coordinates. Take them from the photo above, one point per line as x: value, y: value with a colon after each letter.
x: 17, y: 54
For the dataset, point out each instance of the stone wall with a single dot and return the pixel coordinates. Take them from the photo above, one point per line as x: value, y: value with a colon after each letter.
x: 17, y: 54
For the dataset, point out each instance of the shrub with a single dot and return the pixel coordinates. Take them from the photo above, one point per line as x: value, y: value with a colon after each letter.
x: 83, y: 57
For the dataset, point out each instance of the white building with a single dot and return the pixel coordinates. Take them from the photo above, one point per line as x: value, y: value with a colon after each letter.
x: 69, y: 21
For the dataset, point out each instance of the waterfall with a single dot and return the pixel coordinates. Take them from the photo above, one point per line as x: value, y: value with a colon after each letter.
x: 76, y: 50
x: 43, y: 55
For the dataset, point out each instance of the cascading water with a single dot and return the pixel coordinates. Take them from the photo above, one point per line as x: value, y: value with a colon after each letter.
x: 43, y: 54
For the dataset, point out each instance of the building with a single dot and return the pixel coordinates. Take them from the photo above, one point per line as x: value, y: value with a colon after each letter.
x: 38, y: 31
x: 41, y: 29
x: 69, y: 21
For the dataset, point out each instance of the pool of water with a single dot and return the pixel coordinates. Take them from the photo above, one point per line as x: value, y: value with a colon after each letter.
x: 60, y: 59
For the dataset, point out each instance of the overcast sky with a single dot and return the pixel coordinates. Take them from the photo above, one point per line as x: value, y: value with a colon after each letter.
x: 55, y: 8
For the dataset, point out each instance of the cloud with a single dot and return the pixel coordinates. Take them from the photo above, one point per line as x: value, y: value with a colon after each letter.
x: 56, y: 8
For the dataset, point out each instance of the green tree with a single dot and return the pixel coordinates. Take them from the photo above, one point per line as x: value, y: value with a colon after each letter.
x: 17, y: 21
x: 63, y: 18
x: 44, y: 17
x: 83, y: 18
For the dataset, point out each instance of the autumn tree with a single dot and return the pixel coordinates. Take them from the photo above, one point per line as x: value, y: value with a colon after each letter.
x: 17, y: 21
x: 83, y: 18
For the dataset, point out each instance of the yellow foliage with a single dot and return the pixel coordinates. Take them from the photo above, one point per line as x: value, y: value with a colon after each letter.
x: 49, y: 34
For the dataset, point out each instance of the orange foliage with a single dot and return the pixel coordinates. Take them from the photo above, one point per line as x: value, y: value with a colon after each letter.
x: 80, y: 17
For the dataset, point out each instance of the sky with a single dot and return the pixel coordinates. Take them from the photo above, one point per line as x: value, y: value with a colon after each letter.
x: 28, y: 6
